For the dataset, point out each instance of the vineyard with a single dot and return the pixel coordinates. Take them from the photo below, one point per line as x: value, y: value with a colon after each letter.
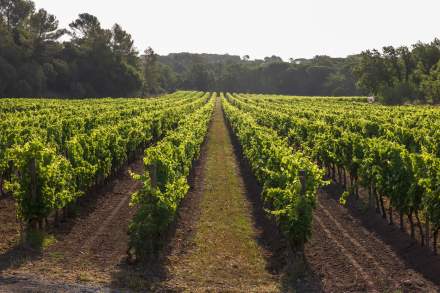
x: 390, y: 152
x: 52, y: 152
x: 217, y: 185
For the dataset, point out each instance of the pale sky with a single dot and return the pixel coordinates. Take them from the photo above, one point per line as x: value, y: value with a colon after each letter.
x: 259, y: 28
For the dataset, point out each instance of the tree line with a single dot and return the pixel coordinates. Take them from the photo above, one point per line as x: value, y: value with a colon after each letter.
x: 92, y: 62
x: 38, y: 58
x: 393, y: 75
x: 400, y: 75
x: 319, y: 76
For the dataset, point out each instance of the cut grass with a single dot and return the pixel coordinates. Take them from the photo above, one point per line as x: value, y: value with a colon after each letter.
x: 225, y: 254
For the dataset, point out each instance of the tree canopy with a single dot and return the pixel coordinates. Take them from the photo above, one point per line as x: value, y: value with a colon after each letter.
x: 95, y: 62
x: 399, y: 75
x: 38, y: 58
x: 321, y: 75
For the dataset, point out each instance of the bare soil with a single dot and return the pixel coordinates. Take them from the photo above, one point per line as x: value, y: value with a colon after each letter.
x: 9, y: 226
x: 352, y: 250
x: 88, y: 248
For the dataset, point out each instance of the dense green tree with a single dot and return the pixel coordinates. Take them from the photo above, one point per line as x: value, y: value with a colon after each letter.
x: 96, y: 62
x: 321, y: 75
x: 372, y: 72
x: 168, y: 79
x: 430, y: 84
x: 401, y: 75
x: 200, y: 77
x: 151, y: 73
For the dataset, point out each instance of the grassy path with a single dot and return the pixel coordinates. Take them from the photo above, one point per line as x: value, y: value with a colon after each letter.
x: 224, y: 254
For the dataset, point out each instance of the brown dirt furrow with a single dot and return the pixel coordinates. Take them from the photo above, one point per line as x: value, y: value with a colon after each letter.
x: 107, y: 224
x: 398, y: 276
x: 348, y: 256
x: 330, y: 266
x: 382, y: 268
x: 100, y: 238
x: 360, y: 247
x: 360, y: 252
x: 9, y: 226
x: 91, y: 246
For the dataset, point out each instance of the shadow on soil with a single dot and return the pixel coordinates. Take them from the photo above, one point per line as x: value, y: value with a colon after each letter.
x: 415, y: 257
x: 150, y: 275
x: 18, y: 255
x: 279, y: 262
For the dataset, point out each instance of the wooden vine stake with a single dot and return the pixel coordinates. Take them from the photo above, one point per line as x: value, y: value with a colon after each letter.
x: 153, y: 174
x: 32, y: 223
x: 427, y: 231
x: 33, y: 187
x: 299, y: 259
x: 303, y: 180
x: 33, y: 175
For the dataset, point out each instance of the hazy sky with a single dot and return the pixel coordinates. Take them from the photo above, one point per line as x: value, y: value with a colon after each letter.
x: 287, y: 28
